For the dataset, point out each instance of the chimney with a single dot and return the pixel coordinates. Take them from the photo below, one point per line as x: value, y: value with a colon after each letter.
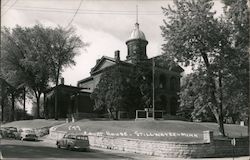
x: 117, y: 56
x: 62, y: 81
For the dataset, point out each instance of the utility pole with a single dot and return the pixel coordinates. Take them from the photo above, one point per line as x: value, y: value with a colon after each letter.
x: 24, y: 103
x: 153, y: 87
x: 1, y: 81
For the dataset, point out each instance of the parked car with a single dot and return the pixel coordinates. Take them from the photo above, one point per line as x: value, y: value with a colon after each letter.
x: 27, y: 134
x: 10, y: 132
x: 73, y: 141
x: 3, y: 132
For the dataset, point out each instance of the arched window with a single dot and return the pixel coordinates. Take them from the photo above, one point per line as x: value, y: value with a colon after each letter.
x: 162, y: 80
x: 173, y: 84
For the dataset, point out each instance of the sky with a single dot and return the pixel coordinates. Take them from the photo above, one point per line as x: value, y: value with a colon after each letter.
x: 104, y: 24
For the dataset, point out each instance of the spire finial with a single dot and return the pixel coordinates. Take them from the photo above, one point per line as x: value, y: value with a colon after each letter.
x: 137, y: 13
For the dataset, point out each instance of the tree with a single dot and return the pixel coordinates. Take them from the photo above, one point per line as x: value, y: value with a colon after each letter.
x: 123, y: 87
x: 36, y: 56
x: 3, y: 96
x: 61, y: 46
x: 217, y: 50
x: 34, y: 109
x: 195, y: 37
x: 9, y: 115
x: 194, y: 102
x: 237, y: 94
x: 22, y: 59
x: 114, y: 90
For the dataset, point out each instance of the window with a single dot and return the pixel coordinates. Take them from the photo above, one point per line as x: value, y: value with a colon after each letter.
x: 162, y: 80
x: 173, y: 84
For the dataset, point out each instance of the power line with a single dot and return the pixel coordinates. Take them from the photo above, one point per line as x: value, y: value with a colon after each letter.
x: 9, y: 8
x: 7, y: 1
x: 108, y: 0
x: 74, y: 14
x: 88, y: 11
x: 69, y: 9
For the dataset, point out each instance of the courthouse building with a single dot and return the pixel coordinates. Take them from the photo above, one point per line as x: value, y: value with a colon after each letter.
x: 166, y: 78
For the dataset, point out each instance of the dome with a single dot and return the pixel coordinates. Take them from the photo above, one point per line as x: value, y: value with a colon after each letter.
x: 137, y: 33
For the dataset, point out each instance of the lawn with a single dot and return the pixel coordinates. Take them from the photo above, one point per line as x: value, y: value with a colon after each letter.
x: 231, y: 130
x: 162, y: 130
x: 168, y: 130
x: 36, y: 123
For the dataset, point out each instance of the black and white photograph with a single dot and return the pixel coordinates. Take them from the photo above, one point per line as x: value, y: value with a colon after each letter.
x: 124, y: 80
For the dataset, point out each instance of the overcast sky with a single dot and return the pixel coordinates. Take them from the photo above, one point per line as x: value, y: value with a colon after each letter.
x: 104, y: 24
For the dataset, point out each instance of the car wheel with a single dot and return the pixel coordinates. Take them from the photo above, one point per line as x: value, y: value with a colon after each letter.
x: 85, y: 150
x: 58, y: 146
x: 68, y: 147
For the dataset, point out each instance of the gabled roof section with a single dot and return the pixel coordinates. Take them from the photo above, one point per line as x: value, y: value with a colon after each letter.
x: 108, y: 60
x: 65, y: 87
x: 160, y: 61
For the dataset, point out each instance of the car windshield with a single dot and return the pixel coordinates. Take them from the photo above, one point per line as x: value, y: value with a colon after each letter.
x: 70, y: 136
x: 80, y: 137
x: 13, y: 129
x: 28, y: 131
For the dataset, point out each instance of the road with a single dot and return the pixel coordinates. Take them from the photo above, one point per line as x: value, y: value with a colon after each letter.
x: 20, y: 150
x: 42, y: 150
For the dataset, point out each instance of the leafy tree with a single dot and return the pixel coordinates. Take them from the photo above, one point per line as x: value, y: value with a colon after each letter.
x: 194, y: 102
x: 60, y: 47
x: 123, y: 88
x: 34, y: 109
x: 9, y: 115
x: 215, y: 50
x: 22, y: 59
x: 194, y: 37
x: 35, y: 56
x: 3, y: 96
x: 237, y: 63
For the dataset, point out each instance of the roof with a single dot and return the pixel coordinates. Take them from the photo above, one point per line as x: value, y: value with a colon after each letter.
x: 66, y: 89
x: 64, y: 86
x: 101, y: 60
x: 168, y: 64
x: 137, y: 33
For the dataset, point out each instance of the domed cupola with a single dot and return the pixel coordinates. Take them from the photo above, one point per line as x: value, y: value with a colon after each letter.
x: 136, y: 44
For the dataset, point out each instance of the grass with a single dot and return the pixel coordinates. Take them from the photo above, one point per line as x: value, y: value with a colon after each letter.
x: 36, y: 123
x: 170, y: 127
x: 231, y: 130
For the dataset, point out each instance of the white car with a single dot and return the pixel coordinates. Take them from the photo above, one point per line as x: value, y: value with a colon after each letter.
x: 27, y: 134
